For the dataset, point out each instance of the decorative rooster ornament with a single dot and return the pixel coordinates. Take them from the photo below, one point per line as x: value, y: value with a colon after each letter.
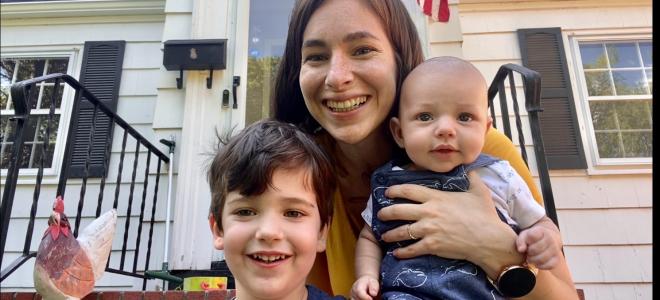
x: 67, y: 268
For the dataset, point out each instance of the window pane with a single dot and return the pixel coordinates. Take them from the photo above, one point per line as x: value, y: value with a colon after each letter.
x: 57, y: 65
x: 623, y: 55
x: 603, y: 115
x: 638, y: 144
x: 598, y: 83
x: 48, y: 93
x: 30, y: 68
x: 608, y: 145
x: 4, y: 97
x: 646, y: 48
x: 266, y: 39
x: 7, y: 72
x: 37, y: 155
x: 593, y: 56
x: 629, y: 82
x: 43, y: 121
x: 634, y: 114
x: 649, y: 78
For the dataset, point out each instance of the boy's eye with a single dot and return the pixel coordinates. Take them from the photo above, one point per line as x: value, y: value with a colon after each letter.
x: 424, y: 117
x: 245, y: 212
x: 465, y: 117
x: 293, y: 214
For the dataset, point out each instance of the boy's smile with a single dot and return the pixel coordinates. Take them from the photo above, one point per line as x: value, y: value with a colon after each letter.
x: 270, y: 240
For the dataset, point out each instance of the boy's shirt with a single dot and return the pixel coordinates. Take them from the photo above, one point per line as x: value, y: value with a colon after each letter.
x: 314, y: 293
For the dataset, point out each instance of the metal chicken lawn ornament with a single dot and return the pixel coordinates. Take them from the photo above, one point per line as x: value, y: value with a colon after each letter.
x: 66, y: 267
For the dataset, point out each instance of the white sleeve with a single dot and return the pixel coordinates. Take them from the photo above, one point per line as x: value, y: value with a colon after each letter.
x: 366, y: 213
x: 523, y: 208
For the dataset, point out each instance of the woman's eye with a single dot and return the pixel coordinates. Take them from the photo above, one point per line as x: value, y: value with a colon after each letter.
x: 424, y: 117
x: 245, y: 212
x: 465, y: 117
x: 314, y: 57
x: 364, y: 50
x: 293, y: 214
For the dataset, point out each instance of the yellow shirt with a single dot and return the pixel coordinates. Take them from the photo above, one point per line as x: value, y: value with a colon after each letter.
x: 334, y: 270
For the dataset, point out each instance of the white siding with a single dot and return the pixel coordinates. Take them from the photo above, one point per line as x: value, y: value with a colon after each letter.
x: 605, y: 219
x: 137, y: 101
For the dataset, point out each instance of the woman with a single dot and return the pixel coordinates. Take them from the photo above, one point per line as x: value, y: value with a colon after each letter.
x: 339, y: 78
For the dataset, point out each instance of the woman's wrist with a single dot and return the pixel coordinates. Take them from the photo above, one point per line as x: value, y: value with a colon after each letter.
x: 497, y: 251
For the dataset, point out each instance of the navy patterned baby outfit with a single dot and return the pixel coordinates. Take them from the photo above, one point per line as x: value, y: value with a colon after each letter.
x: 428, y: 276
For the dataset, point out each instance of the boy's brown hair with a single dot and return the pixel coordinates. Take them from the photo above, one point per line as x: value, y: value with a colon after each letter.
x: 247, y: 161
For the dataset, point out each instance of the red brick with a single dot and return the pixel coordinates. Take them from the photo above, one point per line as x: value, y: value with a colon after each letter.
x: 37, y: 296
x: 216, y: 295
x: 132, y: 295
x: 6, y: 296
x: 24, y: 296
x: 110, y: 295
x: 197, y: 295
x: 153, y: 295
x: 91, y: 296
x: 174, y: 295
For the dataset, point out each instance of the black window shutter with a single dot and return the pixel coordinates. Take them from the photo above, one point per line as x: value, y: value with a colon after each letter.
x: 101, y: 75
x: 542, y: 50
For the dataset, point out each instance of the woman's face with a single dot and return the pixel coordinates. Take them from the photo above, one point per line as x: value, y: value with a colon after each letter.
x: 348, y: 72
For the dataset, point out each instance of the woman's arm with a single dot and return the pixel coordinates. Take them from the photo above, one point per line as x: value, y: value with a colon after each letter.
x: 466, y: 226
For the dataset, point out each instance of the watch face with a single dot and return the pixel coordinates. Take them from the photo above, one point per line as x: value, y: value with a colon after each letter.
x: 516, y: 282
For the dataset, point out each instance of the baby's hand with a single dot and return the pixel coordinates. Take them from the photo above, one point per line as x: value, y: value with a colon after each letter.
x: 542, y: 246
x: 365, y: 288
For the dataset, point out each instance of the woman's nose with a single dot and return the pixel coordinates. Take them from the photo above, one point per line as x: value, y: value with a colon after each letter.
x: 444, y: 127
x: 269, y: 229
x: 340, y: 73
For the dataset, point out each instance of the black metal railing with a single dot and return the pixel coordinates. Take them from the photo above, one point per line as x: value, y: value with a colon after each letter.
x: 146, y: 158
x: 531, y: 81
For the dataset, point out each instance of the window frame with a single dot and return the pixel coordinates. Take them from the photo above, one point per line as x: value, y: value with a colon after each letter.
x: 597, y: 164
x: 72, y: 53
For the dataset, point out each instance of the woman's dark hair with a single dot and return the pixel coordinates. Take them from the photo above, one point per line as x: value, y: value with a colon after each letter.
x: 287, y: 103
x: 246, y: 163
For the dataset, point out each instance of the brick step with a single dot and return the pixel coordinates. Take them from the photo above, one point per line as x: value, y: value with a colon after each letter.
x: 134, y: 295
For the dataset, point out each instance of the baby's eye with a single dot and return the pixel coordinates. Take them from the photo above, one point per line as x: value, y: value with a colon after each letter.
x: 424, y: 117
x: 293, y: 214
x: 245, y: 212
x: 465, y: 117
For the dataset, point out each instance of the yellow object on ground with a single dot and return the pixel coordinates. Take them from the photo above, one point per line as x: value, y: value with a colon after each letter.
x: 204, y: 283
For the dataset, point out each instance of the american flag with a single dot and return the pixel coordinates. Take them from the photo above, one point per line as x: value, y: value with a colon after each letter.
x: 436, y: 9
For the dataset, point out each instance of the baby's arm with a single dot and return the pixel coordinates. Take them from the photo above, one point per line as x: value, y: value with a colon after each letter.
x: 367, y: 266
x: 542, y: 244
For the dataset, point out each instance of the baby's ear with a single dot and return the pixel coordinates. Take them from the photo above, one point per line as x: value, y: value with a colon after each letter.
x: 323, y: 237
x: 395, y: 129
x: 218, y: 240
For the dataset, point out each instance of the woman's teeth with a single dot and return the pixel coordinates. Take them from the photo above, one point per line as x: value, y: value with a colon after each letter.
x: 346, y: 105
x: 268, y: 258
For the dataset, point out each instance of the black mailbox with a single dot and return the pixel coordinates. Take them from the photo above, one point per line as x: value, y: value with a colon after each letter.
x: 209, y: 54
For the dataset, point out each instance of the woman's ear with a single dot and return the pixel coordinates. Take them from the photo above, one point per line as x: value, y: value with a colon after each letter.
x: 323, y: 237
x: 218, y: 240
x: 395, y: 129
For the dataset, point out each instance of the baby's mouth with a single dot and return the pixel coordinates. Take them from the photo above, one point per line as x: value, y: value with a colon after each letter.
x: 345, y: 105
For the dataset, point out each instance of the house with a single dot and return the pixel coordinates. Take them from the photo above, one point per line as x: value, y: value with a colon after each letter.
x: 594, y: 57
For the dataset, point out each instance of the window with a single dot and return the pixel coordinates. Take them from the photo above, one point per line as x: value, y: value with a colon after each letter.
x: 616, y: 79
x: 15, y: 69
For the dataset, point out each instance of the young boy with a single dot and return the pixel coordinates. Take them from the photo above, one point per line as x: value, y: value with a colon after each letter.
x: 441, y: 124
x: 271, y: 205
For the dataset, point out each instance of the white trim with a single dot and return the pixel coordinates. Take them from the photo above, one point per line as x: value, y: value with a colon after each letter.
x: 87, y: 8
x: 595, y: 164
x: 73, y: 69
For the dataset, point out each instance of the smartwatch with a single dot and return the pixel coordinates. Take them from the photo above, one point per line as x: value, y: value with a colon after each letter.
x: 516, y: 280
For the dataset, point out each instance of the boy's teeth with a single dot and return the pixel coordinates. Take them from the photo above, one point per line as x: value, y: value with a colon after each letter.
x: 268, y: 258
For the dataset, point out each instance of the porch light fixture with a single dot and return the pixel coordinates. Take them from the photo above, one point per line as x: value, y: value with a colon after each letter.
x: 207, y: 54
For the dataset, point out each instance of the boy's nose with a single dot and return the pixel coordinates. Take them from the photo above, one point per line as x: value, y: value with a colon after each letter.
x: 269, y: 230
x: 340, y: 74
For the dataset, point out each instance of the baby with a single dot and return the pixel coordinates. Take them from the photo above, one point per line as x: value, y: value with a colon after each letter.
x: 441, y: 124
x: 271, y: 206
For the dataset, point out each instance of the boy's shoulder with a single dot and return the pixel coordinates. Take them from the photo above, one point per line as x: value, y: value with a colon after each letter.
x: 313, y: 293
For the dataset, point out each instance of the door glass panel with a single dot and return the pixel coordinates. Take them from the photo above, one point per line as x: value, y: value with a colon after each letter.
x: 269, y: 21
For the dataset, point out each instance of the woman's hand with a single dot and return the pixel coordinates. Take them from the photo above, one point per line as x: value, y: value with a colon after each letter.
x: 452, y: 225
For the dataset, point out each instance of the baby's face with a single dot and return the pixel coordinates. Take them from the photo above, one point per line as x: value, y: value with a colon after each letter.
x: 270, y: 240
x: 443, y: 118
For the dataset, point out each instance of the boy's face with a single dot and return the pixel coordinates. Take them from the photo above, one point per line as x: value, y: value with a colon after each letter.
x: 442, y: 118
x: 270, y: 240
